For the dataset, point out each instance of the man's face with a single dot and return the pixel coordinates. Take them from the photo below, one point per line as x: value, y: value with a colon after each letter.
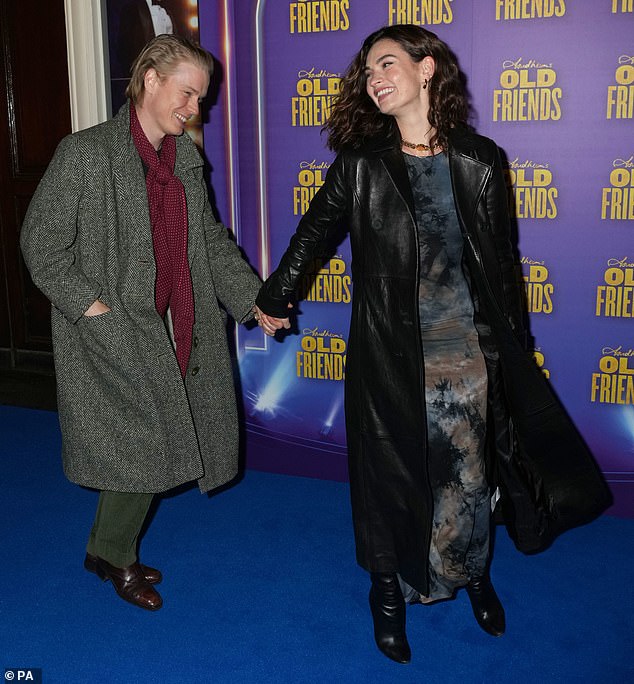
x: 171, y: 100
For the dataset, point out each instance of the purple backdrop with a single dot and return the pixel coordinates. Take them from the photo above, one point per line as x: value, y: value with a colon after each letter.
x: 555, y: 91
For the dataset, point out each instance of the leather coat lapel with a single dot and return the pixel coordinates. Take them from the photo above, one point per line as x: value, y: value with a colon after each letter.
x: 394, y: 164
x: 469, y: 176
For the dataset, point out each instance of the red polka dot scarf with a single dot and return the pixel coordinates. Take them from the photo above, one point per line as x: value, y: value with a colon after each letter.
x: 168, y: 216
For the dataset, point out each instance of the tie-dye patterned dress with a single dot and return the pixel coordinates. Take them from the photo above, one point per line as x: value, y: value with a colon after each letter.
x: 455, y: 387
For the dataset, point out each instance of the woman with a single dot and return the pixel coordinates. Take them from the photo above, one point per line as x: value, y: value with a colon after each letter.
x: 436, y: 309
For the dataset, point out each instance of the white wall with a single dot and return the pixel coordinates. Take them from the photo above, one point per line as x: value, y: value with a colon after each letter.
x: 87, y: 64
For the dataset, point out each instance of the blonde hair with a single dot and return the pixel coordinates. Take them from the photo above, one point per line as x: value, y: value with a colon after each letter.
x: 163, y: 54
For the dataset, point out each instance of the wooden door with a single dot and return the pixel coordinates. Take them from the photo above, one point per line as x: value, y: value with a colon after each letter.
x: 34, y: 116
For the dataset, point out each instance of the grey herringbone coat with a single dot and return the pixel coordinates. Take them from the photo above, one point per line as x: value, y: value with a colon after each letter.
x: 129, y: 421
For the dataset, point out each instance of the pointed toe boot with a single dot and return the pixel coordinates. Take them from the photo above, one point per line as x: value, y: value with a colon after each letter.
x: 486, y: 606
x: 388, y: 613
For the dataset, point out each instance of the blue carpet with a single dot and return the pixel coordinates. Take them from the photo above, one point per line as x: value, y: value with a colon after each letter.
x: 261, y: 586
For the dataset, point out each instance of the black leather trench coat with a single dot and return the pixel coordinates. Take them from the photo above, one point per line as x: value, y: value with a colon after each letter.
x: 545, y: 476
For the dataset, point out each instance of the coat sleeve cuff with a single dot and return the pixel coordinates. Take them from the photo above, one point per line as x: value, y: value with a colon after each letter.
x: 271, y: 306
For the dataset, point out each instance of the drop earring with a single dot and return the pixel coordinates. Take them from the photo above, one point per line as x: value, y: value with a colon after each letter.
x: 425, y: 84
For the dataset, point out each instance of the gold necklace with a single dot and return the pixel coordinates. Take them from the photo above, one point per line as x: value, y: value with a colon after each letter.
x: 420, y: 147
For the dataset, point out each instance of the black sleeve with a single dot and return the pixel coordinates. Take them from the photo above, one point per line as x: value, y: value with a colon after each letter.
x: 497, y: 209
x: 316, y: 228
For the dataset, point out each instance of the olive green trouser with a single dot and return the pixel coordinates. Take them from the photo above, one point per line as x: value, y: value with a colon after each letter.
x: 118, y: 522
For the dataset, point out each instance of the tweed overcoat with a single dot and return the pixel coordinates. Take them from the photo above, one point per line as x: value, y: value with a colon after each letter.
x: 129, y: 421
x: 385, y: 396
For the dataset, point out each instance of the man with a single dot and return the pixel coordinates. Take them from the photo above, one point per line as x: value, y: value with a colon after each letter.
x: 121, y: 238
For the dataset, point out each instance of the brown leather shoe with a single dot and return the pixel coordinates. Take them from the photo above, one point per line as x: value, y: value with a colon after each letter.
x: 152, y: 575
x: 131, y: 585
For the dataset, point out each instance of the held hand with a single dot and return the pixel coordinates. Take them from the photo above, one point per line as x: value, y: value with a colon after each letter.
x: 96, y: 309
x: 269, y: 324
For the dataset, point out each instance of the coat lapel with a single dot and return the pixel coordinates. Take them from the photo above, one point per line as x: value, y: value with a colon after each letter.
x: 467, y: 171
x: 394, y: 164
x: 187, y: 159
x: 129, y: 181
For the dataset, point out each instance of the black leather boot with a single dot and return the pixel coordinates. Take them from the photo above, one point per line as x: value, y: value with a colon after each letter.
x: 486, y: 606
x: 388, y: 612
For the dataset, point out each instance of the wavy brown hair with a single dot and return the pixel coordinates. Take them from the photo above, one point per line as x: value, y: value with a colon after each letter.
x: 355, y: 118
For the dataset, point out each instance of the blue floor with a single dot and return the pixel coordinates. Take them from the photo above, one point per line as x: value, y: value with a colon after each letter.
x: 261, y: 586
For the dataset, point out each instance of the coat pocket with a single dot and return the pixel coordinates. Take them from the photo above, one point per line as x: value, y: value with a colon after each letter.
x: 101, y: 328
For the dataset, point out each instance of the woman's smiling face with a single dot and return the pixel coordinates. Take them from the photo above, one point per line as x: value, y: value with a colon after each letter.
x: 394, y: 81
